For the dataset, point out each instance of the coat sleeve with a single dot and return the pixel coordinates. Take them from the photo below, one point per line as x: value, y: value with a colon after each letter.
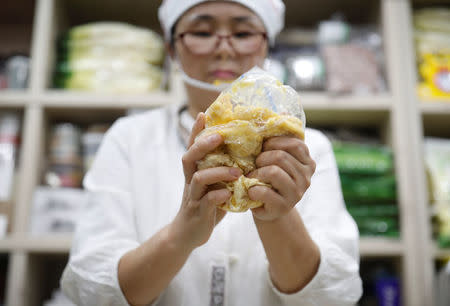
x: 337, y: 281
x: 106, y: 231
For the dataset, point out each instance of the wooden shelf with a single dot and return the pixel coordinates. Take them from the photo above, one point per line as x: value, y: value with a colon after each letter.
x: 323, y: 101
x: 7, y: 244
x: 435, y: 108
x: 61, y: 243
x: 73, y: 99
x: 14, y: 98
x: 436, y: 118
x: 440, y: 253
x: 50, y: 244
x: 321, y: 108
x: 380, y: 247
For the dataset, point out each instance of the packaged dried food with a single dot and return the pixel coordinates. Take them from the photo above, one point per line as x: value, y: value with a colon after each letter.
x: 109, y: 57
x: 9, y: 144
x: 255, y: 107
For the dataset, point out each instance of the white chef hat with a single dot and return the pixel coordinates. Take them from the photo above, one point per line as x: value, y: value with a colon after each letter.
x: 271, y: 13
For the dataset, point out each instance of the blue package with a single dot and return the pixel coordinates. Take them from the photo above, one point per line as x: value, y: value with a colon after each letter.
x: 387, y: 291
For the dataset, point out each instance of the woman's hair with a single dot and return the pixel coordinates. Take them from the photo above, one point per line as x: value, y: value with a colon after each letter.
x: 172, y: 35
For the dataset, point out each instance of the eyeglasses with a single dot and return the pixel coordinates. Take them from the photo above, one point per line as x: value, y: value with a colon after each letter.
x: 203, y: 43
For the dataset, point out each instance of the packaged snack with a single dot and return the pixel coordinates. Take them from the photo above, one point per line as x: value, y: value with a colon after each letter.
x: 437, y: 159
x: 64, y: 157
x: 351, y: 68
x: 435, y: 72
x: 306, y: 71
x: 362, y: 159
x: 17, y: 69
x: 9, y: 146
x: 255, y: 107
x: 109, y: 57
x: 369, y: 189
x: 432, y: 40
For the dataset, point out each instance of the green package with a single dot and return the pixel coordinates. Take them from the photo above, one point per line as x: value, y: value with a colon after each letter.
x: 368, y: 188
x: 361, y: 211
x: 378, y: 226
x: 362, y: 159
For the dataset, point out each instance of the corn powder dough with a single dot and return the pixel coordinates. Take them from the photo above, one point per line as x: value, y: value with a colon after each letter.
x: 244, y: 128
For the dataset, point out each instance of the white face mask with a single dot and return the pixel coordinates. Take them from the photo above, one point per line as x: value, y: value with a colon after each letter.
x: 198, y: 83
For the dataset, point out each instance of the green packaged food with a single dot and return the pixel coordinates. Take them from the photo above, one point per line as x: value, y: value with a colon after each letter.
x: 361, y: 211
x: 377, y: 226
x: 437, y: 160
x: 369, y: 189
x: 355, y: 158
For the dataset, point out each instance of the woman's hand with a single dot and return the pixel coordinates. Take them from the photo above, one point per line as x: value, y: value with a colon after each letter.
x: 199, y: 213
x: 286, y: 165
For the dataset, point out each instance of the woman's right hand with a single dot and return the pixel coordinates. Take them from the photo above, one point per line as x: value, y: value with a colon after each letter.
x: 199, y: 211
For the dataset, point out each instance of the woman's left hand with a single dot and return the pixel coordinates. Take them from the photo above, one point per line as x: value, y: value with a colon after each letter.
x: 284, y: 163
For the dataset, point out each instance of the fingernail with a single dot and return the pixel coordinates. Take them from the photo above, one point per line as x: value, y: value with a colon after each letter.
x: 235, y: 172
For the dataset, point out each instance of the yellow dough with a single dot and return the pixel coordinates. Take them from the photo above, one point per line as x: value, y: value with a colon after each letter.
x: 244, y: 128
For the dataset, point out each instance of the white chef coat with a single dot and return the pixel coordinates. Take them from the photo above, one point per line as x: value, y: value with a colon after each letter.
x: 136, y: 185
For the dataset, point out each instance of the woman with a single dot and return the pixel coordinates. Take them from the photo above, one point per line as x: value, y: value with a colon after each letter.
x: 154, y: 235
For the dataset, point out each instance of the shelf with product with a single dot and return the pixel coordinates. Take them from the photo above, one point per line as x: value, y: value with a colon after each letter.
x: 334, y: 54
x: 317, y: 41
x: 436, y: 146
x: 365, y: 154
x: 11, y: 120
x: 382, y: 282
x: 431, y: 28
x: 69, y: 141
x: 365, y: 159
x: 16, y: 26
x: 430, y: 89
x: 103, y: 54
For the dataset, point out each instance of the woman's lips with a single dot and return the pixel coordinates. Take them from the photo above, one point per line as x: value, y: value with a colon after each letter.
x: 224, y: 74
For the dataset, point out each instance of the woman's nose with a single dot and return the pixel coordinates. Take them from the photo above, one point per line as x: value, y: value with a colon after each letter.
x: 224, y: 47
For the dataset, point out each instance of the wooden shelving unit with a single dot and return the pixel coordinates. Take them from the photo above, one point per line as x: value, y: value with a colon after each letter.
x: 13, y: 98
x: 398, y: 114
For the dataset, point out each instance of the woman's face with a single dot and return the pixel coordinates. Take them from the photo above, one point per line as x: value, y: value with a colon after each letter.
x: 223, y: 63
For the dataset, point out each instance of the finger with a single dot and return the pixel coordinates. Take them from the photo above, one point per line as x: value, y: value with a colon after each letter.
x: 215, y: 198
x: 197, y: 151
x: 274, y: 204
x: 279, y: 179
x: 294, y: 146
x: 199, y: 125
x: 202, y: 178
x: 267, y: 195
x: 283, y: 160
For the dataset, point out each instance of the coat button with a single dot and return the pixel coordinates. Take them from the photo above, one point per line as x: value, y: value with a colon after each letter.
x: 233, y: 258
